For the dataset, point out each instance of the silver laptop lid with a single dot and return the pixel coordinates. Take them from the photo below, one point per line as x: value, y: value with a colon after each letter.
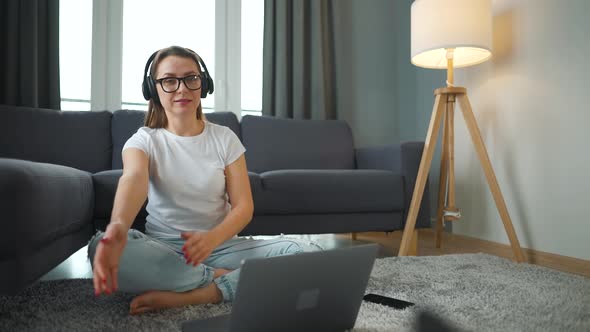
x: 319, y: 290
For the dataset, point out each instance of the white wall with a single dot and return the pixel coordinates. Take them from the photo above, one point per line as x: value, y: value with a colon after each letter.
x: 383, y: 97
x: 531, y: 104
x: 365, y: 51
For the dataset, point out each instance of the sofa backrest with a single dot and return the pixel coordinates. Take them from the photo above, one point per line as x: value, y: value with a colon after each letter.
x: 126, y: 122
x: 76, y: 139
x: 227, y: 119
x: 275, y: 143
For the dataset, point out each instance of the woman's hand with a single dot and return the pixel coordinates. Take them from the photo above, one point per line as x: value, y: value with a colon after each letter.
x: 106, y: 259
x: 198, y: 246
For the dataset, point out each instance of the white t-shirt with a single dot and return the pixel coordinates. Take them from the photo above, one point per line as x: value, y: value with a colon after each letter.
x: 186, y: 177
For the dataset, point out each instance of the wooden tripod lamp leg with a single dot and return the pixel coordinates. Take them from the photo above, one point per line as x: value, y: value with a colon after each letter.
x: 423, y: 170
x: 442, y: 183
x: 490, y: 176
x: 451, y: 208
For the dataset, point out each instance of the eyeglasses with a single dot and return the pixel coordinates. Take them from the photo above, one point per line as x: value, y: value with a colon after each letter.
x: 171, y: 84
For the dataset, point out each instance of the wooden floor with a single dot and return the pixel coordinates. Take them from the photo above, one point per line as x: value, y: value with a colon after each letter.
x: 78, y: 266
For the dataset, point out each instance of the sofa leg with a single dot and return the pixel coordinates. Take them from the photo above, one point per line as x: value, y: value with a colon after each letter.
x: 353, y: 235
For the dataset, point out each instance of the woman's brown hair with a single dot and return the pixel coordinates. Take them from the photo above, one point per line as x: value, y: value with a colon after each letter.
x: 156, y: 116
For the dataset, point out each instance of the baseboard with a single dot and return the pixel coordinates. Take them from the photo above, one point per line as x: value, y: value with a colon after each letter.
x: 555, y: 261
x: 454, y: 243
x: 532, y: 256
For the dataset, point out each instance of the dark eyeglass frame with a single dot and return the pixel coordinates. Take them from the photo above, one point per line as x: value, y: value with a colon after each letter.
x: 178, y: 79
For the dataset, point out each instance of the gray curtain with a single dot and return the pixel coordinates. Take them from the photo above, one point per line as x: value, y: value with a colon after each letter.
x: 29, y: 60
x: 298, y: 60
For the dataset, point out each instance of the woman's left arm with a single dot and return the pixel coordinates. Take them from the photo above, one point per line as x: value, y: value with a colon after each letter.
x: 240, y: 196
x: 198, y: 246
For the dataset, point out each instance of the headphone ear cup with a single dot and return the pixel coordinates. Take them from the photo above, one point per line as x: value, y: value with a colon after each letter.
x: 147, y: 85
x: 204, y: 85
x: 210, y: 87
x: 152, y: 89
x: 145, y: 89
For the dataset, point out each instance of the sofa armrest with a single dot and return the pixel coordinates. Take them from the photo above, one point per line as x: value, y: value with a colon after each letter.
x: 40, y: 203
x: 404, y: 159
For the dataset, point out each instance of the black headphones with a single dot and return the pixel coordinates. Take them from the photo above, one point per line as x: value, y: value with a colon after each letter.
x: 148, y: 87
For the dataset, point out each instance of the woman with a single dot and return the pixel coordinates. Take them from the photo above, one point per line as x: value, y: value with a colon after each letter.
x: 190, y: 170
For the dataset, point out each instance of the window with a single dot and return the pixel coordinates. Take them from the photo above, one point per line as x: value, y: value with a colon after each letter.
x: 148, y: 25
x: 125, y: 33
x: 75, y: 47
x: 252, y: 32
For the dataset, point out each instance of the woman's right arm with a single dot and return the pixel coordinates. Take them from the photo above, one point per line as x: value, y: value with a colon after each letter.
x: 129, y: 198
x: 132, y: 188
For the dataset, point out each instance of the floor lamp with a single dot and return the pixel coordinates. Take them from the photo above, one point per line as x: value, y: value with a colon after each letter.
x: 448, y: 34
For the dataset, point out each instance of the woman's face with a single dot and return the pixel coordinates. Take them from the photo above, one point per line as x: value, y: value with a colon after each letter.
x: 184, y: 100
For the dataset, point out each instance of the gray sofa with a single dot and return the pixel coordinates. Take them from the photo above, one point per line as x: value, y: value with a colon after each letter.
x: 59, y: 172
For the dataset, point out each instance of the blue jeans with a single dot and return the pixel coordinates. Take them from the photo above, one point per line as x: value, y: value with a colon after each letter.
x: 150, y: 263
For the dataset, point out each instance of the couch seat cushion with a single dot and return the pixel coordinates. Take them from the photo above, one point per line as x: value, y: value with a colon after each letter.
x: 294, y: 191
x: 328, y: 191
x: 105, y: 187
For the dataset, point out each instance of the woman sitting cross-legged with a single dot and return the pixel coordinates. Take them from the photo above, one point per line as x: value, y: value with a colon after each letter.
x: 190, y: 170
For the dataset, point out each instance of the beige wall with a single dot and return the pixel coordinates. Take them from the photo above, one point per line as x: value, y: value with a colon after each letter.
x: 531, y: 103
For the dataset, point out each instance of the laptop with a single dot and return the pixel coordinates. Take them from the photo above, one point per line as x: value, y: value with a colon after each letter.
x: 313, y: 291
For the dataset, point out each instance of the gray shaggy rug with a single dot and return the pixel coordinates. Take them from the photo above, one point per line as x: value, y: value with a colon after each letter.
x: 472, y: 292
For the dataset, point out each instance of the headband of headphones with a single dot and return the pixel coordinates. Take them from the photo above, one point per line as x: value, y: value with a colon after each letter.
x: 148, y: 86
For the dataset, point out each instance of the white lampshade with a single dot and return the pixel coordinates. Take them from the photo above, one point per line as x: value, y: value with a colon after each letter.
x: 465, y: 25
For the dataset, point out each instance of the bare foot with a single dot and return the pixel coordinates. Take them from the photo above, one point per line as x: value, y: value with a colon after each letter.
x: 155, y: 300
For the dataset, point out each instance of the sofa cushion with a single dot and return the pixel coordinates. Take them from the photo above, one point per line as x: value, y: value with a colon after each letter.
x: 126, y: 122
x: 329, y: 191
x: 293, y: 191
x: 321, y: 223
x: 105, y: 187
x: 255, y: 183
x: 227, y: 119
x: 274, y: 143
x: 76, y: 139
